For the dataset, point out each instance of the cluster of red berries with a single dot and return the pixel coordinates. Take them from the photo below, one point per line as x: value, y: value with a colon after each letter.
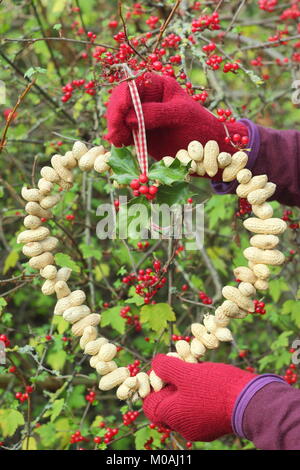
x: 171, y: 41
x: 206, y: 22
x: 244, y: 207
x: 231, y: 67
x: 141, y: 187
x: 131, y: 319
x: 152, y: 21
x: 148, y: 283
x: 70, y: 217
x: 77, y: 437
x: 162, y: 430
x: 134, y: 368
x: 257, y: 62
x: 237, y: 140
x: 225, y: 115
x: 91, y: 396
x: 287, y: 214
x: 259, y: 307
x: 110, y: 434
x: 69, y: 88
x: 5, y: 340
x: 143, y: 246
x: 214, y: 61
x: 290, y: 375
x: 130, y: 417
x: 267, y: 5
x: 205, y: 298
x: 179, y: 249
x: 180, y: 338
x: 24, y: 396
x: 291, y: 13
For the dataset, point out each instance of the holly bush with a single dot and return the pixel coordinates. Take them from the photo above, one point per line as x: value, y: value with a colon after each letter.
x: 59, y: 62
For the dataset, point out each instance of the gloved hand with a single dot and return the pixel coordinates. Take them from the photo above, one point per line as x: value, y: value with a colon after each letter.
x: 172, y: 118
x: 198, y: 399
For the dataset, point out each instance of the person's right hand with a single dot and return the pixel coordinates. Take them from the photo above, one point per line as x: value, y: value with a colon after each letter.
x: 172, y: 118
x: 198, y: 399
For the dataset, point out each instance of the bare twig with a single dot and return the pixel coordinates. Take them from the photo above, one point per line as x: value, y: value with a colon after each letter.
x: 166, y: 24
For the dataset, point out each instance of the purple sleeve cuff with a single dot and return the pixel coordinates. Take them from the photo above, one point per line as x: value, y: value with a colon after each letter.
x: 246, y: 395
x: 254, y: 144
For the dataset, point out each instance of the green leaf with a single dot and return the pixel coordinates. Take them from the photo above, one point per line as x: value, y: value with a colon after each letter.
x: 57, y: 26
x: 143, y: 435
x: 134, y: 298
x: 61, y: 324
x: 276, y: 288
x: 112, y: 317
x: 76, y: 397
x: 29, y: 444
x: 57, y: 359
x: 176, y: 194
x: 292, y: 307
x: 3, y: 303
x: 124, y: 165
x: 10, y: 420
x: 34, y: 70
x: 65, y: 261
x: 90, y: 251
x: 56, y: 409
x: 282, y: 341
x: 168, y: 175
x: 10, y: 261
x: 101, y: 271
x: 157, y: 316
x: 47, y: 433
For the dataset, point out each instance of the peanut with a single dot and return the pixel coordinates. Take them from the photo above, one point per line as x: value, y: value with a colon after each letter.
x: 263, y: 211
x: 32, y: 222
x: 63, y: 172
x: 233, y: 294
x: 48, y: 287
x: 244, y: 176
x: 155, y: 381
x: 244, y: 274
x: 79, y: 149
x: 197, y: 348
x: 261, y: 284
x: 74, y: 314
x: 90, y: 320
x: 183, y: 156
x: 200, y: 170
x: 45, y: 186
x: 34, y: 235
x: 224, y: 159
x: 94, y: 346
x: 265, y: 242
x: 76, y: 298
x: 114, y: 378
x: 168, y: 161
x: 271, y: 226
x: 211, y: 152
x: 33, y: 208
x: 49, y: 272
x: 258, y: 256
x: 238, y: 162
x: 89, y: 335
x: 104, y: 368
x: 259, y: 196
x: 50, y: 201
x: 49, y: 174
x: 223, y: 334
x: 87, y: 161
x: 143, y: 384
x: 261, y: 271
x: 41, y: 261
x: 210, y: 323
x: 107, y: 352
x: 183, y: 348
x: 257, y: 182
x: 100, y: 165
x: 195, y: 151
x: 247, y: 289
x: 31, y: 194
x: 62, y: 290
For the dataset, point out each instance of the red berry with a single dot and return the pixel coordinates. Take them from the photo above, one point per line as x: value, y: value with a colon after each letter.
x: 143, y: 178
x: 135, y: 184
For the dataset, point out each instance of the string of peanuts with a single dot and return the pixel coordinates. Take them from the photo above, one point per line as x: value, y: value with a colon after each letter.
x: 39, y: 245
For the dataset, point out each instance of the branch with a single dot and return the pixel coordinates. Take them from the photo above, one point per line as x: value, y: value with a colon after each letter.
x: 166, y: 24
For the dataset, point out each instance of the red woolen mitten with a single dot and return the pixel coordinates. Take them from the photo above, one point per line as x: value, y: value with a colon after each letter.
x: 198, y: 399
x: 172, y: 118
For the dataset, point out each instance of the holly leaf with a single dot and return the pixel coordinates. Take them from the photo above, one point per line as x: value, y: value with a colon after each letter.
x: 124, y: 165
x: 112, y: 317
x: 176, y: 194
x: 157, y: 316
x: 65, y: 261
x: 10, y: 420
x: 168, y: 175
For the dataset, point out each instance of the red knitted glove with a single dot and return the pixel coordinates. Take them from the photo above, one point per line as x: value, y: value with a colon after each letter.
x: 198, y: 399
x: 172, y: 118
